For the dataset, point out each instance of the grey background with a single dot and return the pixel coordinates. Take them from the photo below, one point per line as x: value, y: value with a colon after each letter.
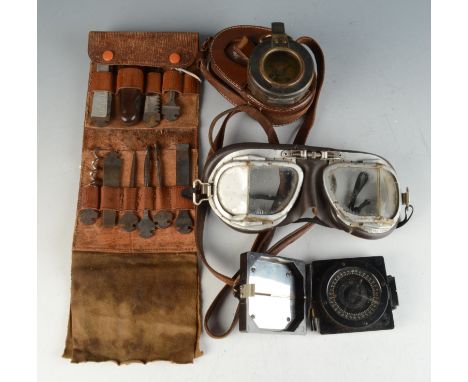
x: 376, y: 98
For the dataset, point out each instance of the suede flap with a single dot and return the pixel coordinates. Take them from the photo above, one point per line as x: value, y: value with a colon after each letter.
x: 111, y: 292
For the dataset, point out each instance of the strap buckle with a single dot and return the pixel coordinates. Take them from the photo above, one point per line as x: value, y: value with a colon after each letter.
x: 201, y: 192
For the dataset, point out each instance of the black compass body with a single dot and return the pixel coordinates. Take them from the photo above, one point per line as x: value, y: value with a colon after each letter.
x: 352, y: 295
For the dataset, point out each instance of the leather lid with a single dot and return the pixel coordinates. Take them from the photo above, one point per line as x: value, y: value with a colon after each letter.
x: 233, y: 72
x: 143, y: 48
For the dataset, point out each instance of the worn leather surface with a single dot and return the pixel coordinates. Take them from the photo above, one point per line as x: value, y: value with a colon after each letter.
x: 133, y: 298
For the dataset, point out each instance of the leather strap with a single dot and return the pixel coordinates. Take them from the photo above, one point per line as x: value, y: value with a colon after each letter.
x: 218, y: 142
x: 309, y: 117
x: 264, y: 239
x: 259, y: 245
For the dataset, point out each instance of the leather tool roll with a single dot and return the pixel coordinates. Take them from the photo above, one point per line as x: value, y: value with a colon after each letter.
x: 224, y: 65
x: 135, y: 299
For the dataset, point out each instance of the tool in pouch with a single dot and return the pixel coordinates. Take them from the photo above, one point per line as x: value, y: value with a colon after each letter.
x: 110, y: 193
x: 183, y: 222
x: 129, y: 219
x: 90, y: 199
x: 101, y: 106
x: 172, y: 84
x: 146, y: 225
x: 152, y: 111
x: 162, y: 218
x: 130, y: 95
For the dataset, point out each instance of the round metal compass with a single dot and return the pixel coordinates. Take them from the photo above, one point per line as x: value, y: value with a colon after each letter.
x: 280, y: 70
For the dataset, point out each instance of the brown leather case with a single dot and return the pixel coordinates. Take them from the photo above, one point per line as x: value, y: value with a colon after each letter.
x: 229, y: 77
x: 136, y: 299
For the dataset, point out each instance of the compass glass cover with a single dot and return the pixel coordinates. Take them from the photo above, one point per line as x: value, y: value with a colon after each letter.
x: 281, y: 67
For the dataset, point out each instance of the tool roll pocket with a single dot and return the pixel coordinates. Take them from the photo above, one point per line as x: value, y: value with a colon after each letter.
x: 135, y: 297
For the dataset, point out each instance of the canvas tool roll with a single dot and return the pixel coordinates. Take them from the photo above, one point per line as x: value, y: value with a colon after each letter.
x: 135, y: 298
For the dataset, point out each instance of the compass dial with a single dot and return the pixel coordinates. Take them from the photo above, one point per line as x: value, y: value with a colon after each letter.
x: 282, y: 67
x: 354, y: 294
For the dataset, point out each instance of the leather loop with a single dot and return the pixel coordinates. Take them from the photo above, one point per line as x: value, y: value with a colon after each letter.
x: 163, y: 198
x: 178, y: 202
x: 90, y: 197
x: 191, y: 85
x: 129, y: 78
x: 146, y: 198
x: 129, y: 198
x: 153, y: 83
x: 172, y: 81
x: 101, y: 81
x: 200, y: 216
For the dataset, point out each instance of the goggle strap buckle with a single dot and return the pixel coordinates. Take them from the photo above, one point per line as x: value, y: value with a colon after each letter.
x: 201, y: 192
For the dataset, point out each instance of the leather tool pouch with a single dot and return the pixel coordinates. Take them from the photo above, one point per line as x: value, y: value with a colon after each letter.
x: 135, y: 298
x: 224, y: 65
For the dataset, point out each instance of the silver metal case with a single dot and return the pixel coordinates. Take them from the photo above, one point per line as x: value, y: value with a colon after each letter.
x: 273, y: 296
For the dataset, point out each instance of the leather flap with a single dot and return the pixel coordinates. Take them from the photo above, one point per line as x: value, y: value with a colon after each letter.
x: 143, y: 48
